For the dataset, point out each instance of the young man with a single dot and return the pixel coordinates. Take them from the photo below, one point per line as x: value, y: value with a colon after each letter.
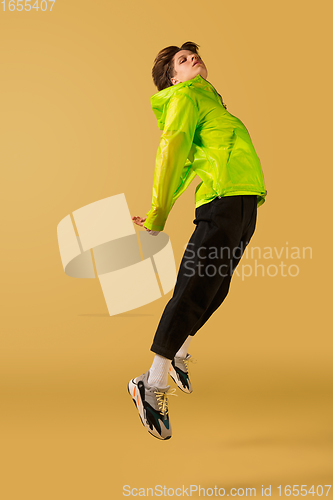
x: 200, y: 137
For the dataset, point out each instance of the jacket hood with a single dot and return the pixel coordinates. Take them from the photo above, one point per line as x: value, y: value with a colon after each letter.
x: 160, y: 100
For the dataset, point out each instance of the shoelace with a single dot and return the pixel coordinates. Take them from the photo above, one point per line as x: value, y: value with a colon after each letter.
x: 162, y: 400
x: 187, y: 361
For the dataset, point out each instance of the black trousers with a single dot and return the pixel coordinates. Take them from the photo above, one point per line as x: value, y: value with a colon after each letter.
x: 224, y: 228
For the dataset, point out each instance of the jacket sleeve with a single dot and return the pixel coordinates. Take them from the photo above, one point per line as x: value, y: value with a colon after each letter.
x: 173, y: 173
x: 187, y: 176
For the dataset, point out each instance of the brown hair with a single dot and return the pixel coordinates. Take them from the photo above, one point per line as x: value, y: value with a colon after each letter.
x: 163, y: 69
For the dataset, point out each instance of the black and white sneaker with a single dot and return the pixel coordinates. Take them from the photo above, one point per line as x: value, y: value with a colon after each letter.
x: 179, y: 373
x: 152, y: 405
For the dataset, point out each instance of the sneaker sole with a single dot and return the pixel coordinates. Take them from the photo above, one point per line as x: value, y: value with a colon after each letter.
x: 139, y: 406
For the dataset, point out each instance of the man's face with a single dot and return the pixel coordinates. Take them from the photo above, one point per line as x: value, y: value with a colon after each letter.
x: 187, y: 65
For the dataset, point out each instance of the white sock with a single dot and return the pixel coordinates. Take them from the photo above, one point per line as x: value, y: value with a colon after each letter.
x: 158, y: 373
x: 183, y: 350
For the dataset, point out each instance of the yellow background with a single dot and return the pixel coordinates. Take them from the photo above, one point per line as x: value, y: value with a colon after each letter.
x: 76, y: 126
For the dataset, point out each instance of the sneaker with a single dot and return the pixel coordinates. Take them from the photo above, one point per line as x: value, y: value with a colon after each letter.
x: 179, y: 373
x: 152, y: 405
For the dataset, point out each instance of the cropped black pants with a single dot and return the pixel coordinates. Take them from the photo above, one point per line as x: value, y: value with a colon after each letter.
x: 224, y: 228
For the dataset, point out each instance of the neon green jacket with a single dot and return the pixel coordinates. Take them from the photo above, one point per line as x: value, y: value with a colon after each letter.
x: 200, y: 137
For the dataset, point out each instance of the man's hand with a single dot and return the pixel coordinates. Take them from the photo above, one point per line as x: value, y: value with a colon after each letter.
x: 140, y: 222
